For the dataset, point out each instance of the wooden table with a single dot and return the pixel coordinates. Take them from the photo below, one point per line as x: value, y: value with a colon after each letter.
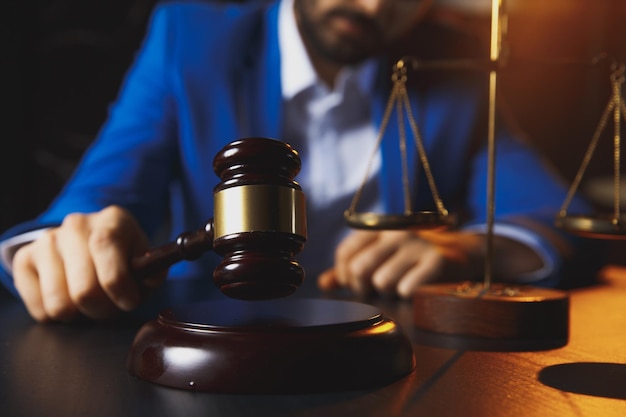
x: 79, y: 370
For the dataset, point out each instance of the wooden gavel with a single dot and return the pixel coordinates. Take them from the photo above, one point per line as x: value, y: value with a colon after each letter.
x: 258, y: 224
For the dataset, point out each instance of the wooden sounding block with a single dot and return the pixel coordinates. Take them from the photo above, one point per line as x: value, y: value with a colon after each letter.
x: 271, y: 347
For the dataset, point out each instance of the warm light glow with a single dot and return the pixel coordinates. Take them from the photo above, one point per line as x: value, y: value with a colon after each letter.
x: 495, y: 29
x: 382, y: 327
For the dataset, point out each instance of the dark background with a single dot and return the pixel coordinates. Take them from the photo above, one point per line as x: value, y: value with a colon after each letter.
x: 62, y: 62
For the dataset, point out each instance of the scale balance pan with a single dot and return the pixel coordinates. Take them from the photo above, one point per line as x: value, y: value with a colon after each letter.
x: 417, y: 220
x: 505, y: 315
x: 596, y: 227
x: 271, y: 347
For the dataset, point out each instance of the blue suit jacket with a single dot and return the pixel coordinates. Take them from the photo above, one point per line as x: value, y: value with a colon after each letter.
x: 209, y: 74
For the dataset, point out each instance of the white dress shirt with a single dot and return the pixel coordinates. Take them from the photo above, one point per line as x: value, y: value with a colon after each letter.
x: 332, y: 128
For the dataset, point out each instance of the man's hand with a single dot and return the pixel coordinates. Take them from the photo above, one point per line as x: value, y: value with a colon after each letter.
x: 400, y: 261
x: 82, y: 267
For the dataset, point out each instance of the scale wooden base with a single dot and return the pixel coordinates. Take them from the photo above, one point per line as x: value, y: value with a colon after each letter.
x: 502, y: 317
x: 271, y: 347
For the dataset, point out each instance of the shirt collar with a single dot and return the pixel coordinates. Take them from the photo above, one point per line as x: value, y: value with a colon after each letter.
x: 296, y: 70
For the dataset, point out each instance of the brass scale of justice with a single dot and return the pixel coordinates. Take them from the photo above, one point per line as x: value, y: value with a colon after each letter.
x: 506, y: 316
x: 250, y: 345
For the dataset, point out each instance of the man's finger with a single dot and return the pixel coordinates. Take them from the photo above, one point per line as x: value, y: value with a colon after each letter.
x: 27, y: 283
x: 327, y: 280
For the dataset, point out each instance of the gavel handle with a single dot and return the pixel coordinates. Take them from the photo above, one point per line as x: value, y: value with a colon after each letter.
x: 187, y: 246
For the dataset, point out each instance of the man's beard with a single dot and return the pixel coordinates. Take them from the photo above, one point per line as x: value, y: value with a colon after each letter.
x: 344, y: 51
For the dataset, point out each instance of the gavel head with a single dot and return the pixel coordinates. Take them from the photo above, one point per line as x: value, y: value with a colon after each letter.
x: 259, y: 219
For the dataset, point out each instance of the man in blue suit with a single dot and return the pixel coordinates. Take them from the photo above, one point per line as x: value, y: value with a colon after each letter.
x: 315, y: 73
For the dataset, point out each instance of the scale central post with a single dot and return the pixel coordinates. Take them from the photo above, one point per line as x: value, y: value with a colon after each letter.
x: 498, y: 19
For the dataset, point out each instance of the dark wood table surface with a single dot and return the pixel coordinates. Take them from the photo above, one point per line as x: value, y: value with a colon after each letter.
x: 79, y: 370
